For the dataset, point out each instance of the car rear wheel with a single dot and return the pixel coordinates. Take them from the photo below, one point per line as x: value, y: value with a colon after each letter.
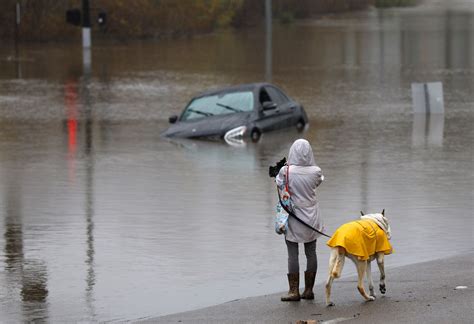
x: 255, y: 135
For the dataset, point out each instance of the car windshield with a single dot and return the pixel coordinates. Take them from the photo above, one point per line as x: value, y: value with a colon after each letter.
x: 228, y: 103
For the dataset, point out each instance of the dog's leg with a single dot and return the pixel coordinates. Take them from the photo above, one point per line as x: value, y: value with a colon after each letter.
x: 369, y: 279
x: 328, y: 291
x: 339, y: 264
x: 361, y: 268
x: 380, y: 263
x: 332, y: 265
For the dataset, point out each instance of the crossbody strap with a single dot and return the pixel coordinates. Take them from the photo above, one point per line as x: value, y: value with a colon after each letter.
x: 296, y: 217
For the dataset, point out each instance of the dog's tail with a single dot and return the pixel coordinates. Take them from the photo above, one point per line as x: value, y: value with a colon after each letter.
x: 340, y: 257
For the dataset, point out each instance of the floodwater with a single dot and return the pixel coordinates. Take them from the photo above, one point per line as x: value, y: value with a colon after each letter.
x: 101, y: 219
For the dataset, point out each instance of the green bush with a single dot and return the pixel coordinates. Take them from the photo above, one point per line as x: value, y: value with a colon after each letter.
x: 286, y: 17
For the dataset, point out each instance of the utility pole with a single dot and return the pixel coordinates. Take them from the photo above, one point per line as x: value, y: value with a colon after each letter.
x: 17, y: 27
x: 17, y: 39
x: 268, y: 40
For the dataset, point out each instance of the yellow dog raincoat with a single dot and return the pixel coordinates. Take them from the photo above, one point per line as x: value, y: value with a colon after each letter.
x: 361, y: 238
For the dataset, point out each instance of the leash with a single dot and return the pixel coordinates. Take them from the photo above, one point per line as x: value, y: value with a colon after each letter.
x: 296, y: 217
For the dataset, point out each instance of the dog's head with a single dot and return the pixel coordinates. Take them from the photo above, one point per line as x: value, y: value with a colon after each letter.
x: 380, y: 219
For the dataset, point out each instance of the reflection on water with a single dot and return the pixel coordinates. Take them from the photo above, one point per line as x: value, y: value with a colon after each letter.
x: 25, y: 275
x: 428, y: 130
x: 104, y: 220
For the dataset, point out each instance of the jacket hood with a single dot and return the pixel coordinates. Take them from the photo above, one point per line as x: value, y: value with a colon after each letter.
x: 301, y: 154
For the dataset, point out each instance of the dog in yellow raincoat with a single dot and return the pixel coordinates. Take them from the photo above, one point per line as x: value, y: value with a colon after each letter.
x: 362, y: 241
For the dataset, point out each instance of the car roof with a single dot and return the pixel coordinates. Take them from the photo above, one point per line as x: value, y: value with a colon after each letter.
x: 240, y: 87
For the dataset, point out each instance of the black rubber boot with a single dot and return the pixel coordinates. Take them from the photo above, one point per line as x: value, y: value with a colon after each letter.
x: 308, y: 285
x: 294, y: 292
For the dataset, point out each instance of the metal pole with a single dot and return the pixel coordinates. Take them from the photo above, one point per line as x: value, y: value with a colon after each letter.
x: 86, y: 38
x: 17, y: 27
x: 268, y: 40
x: 86, y: 24
x: 17, y: 40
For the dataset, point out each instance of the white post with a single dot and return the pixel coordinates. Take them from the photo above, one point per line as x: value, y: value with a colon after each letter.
x: 86, y: 37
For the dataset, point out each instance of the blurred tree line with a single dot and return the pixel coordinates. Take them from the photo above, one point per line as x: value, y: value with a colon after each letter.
x: 44, y: 20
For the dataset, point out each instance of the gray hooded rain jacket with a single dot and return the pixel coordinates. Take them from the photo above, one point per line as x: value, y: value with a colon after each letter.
x: 304, y: 177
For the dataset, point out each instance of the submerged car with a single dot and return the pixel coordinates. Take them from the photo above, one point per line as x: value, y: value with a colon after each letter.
x: 236, y: 112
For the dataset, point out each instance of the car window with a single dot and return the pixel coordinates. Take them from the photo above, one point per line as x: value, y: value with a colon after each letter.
x: 222, y: 104
x: 276, y: 95
x: 264, y: 96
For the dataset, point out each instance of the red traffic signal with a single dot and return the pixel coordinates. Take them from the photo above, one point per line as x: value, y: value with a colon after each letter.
x: 73, y: 16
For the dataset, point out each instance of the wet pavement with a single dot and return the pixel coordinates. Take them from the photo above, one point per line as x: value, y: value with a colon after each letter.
x: 104, y: 220
x: 427, y: 292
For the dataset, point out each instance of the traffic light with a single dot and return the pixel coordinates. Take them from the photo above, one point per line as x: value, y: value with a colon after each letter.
x: 73, y: 16
x: 102, y: 18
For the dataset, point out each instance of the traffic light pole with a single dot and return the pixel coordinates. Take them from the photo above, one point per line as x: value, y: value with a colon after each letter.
x: 86, y: 24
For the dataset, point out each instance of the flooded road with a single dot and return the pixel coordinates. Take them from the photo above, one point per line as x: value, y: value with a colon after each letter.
x: 101, y: 219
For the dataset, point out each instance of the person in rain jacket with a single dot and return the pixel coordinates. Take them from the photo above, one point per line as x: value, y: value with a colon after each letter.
x: 303, y: 178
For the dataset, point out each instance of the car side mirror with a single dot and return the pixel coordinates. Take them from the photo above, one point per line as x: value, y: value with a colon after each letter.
x: 269, y: 105
x: 173, y: 119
